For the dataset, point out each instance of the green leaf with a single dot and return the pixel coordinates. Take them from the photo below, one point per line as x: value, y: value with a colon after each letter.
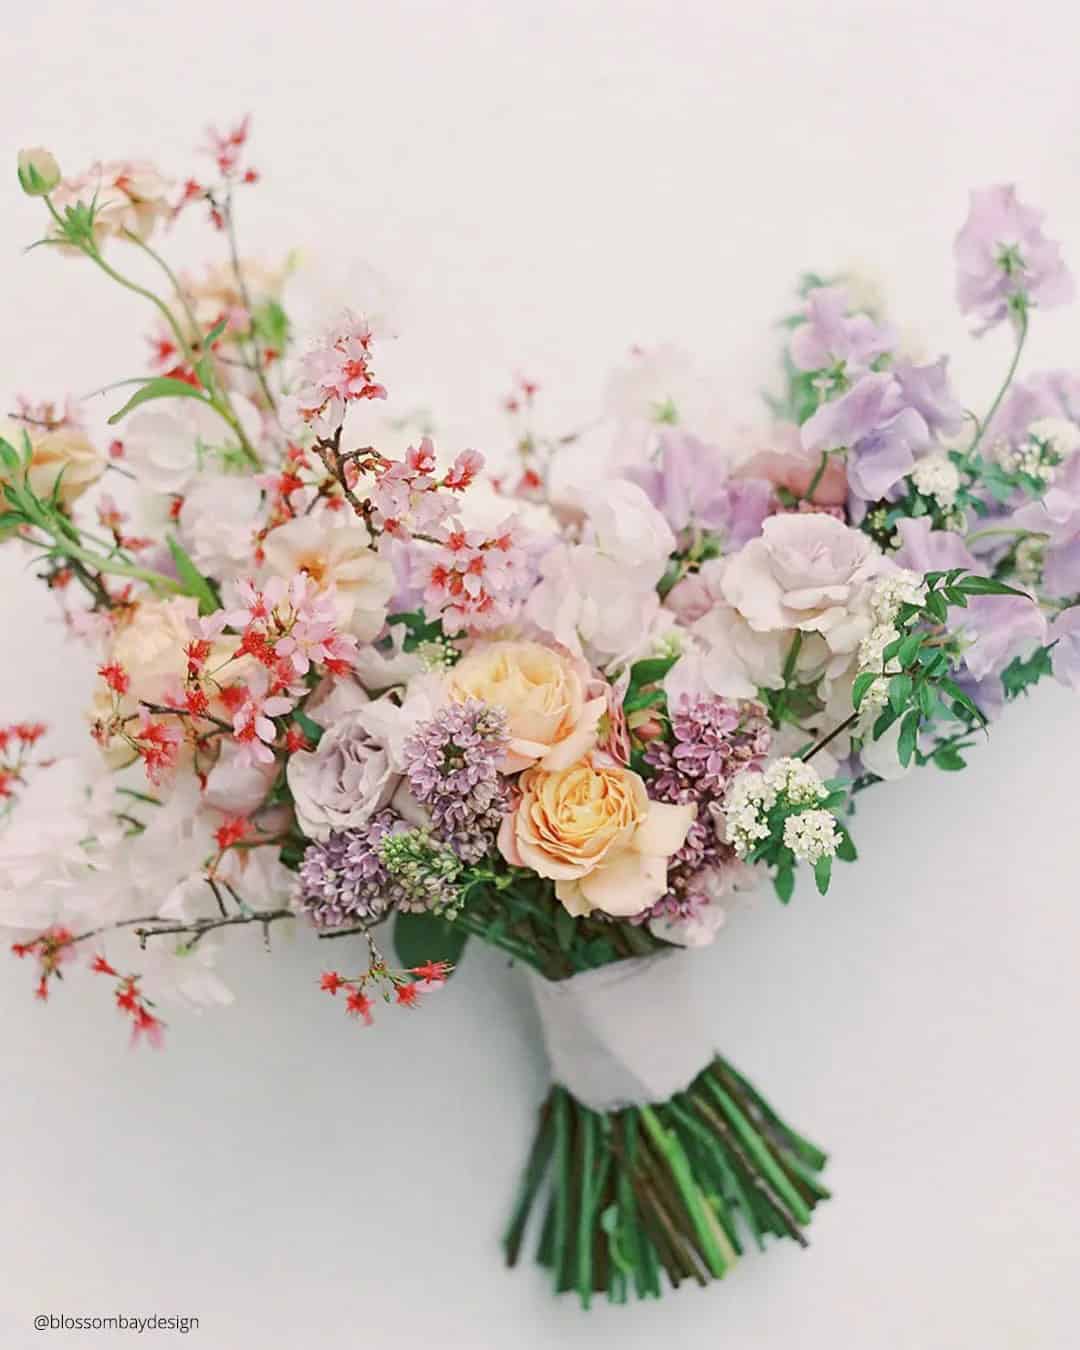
x: 927, y: 699
x: 949, y: 759
x: 193, y: 581
x: 419, y: 938
x: 312, y: 731
x: 845, y: 850
x: 909, y: 733
x: 971, y: 585
x: 936, y: 606
x: 859, y: 688
x: 565, y: 928
x: 900, y: 687
x: 909, y: 648
x: 204, y: 366
x: 823, y: 874
x: 651, y: 698
x: 784, y: 884
x: 650, y: 670
x: 10, y: 457
x: 1021, y: 675
x: 162, y: 386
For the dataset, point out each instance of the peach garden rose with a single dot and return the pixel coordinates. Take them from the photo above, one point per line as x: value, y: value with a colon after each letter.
x: 592, y: 829
x: 551, y: 720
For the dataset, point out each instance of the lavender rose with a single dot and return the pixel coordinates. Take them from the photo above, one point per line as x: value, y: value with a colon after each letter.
x: 343, y: 782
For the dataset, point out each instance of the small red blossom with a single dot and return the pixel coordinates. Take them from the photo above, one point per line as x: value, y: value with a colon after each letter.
x: 407, y: 995
x: 232, y: 831
x: 101, y: 967
x: 331, y: 981
x: 359, y: 1005
x: 116, y: 677
x: 434, y: 972
x: 295, y: 740
x: 29, y: 732
x: 116, y: 449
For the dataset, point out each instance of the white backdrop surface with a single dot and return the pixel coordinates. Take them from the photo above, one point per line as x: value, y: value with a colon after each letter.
x: 545, y: 184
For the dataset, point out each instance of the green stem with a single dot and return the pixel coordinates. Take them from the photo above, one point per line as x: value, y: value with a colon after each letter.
x: 223, y: 408
x: 819, y: 474
x: 1020, y: 340
x: 994, y: 530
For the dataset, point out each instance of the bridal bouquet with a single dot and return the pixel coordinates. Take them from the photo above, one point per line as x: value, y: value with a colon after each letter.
x: 343, y: 681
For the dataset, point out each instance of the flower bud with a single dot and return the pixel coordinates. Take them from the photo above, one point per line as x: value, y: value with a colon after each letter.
x: 39, y: 172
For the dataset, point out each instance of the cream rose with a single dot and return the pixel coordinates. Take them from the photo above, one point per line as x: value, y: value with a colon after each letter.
x: 550, y: 720
x: 592, y: 829
x: 150, y: 646
x: 808, y: 572
x: 64, y: 449
x: 338, y: 557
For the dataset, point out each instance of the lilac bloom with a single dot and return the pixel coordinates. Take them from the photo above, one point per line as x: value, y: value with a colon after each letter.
x: 688, y: 483
x: 832, y: 335
x: 927, y: 390
x: 1065, y: 632
x: 1001, y: 253
x: 880, y: 432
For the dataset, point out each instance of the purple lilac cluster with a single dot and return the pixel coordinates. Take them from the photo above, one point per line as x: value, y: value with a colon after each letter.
x: 713, y: 740
x: 343, y: 880
x: 451, y: 764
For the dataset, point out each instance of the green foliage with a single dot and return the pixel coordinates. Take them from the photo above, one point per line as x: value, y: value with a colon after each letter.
x: 1021, y: 674
x: 161, y: 386
x: 921, y: 692
x: 419, y: 938
x: 194, y: 583
x: 420, y: 628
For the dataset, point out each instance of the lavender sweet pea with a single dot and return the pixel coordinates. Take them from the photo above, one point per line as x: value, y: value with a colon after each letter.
x: 877, y: 427
x: 689, y: 484
x: 832, y: 336
x: 1004, y: 261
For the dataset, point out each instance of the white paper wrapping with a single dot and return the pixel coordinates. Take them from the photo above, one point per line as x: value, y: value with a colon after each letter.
x: 625, y: 1034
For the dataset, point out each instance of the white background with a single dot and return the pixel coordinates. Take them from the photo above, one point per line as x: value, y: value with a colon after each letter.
x: 547, y: 183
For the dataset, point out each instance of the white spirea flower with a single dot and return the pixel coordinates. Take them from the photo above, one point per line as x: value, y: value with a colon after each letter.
x: 872, y: 647
x: 796, y: 780
x: 938, y: 477
x: 902, y: 587
x: 1061, y: 435
x: 812, y: 835
x: 748, y: 800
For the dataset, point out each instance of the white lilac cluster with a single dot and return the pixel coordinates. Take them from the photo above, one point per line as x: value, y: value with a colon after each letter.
x: 938, y: 477
x: 786, y: 782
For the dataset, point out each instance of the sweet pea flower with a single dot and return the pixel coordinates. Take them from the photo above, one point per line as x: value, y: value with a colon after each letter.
x: 690, y: 483
x: 832, y: 336
x: 1003, y: 259
x: 927, y: 390
x: 1065, y: 634
x: 877, y: 427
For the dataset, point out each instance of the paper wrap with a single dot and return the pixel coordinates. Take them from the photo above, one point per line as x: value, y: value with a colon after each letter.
x: 625, y: 1034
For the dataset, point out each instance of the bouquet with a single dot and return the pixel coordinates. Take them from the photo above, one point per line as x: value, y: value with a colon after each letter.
x: 344, y: 682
